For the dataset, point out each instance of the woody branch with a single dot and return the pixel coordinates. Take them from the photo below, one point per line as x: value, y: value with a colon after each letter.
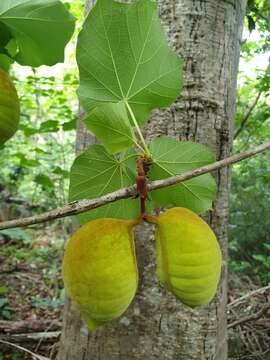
x: 80, y: 206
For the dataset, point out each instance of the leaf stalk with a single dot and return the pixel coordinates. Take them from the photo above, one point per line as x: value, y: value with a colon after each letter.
x: 146, y: 150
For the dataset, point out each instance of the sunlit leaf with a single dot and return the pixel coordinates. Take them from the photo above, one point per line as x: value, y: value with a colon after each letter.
x: 49, y: 126
x: 123, y: 55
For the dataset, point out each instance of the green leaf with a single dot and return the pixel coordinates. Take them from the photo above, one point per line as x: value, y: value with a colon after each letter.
x: 44, y: 181
x: 123, y: 55
x: 70, y: 125
x: 5, y: 36
x: 26, y: 162
x: 12, y: 48
x: 96, y: 173
x: 42, y: 28
x: 6, y: 313
x: 3, y: 302
x: 17, y: 234
x: 28, y: 130
x: 172, y: 157
x: 59, y: 171
x: 110, y: 123
x: 3, y: 290
x: 49, y: 126
x: 5, y: 62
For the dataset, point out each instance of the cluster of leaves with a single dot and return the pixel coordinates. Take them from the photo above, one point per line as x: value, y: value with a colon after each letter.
x: 249, y: 218
x: 22, y: 248
x: 253, y: 94
x: 258, y: 15
x: 27, y: 29
x: 34, y: 165
x: 126, y: 70
x: 257, y: 21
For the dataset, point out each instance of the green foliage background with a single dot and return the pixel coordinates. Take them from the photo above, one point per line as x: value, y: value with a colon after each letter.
x: 35, y: 163
x: 249, y: 245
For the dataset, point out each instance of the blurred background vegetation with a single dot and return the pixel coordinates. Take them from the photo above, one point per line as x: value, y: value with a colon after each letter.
x: 249, y: 229
x: 34, y: 175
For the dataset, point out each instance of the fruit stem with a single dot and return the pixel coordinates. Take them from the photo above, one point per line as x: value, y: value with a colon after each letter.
x: 143, y: 167
x: 146, y: 150
x: 152, y: 219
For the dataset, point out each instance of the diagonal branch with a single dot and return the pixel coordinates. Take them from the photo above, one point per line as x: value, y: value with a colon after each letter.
x: 251, y: 108
x: 247, y: 115
x: 80, y: 206
x: 247, y: 296
x: 251, y: 317
x: 35, y: 356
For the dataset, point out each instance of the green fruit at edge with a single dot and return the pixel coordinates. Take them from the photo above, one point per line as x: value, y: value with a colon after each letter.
x: 188, y: 256
x: 100, y: 270
x: 9, y: 108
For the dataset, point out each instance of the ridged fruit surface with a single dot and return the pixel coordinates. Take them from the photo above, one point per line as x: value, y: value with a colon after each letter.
x: 188, y: 256
x: 100, y: 270
x: 9, y: 108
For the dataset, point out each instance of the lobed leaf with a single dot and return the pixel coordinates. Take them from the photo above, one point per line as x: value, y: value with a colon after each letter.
x: 123, y: 55
x: 96, y: 173
x: 172, y: 157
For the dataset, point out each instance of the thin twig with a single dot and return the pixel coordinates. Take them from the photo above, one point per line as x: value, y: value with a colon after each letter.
x: 248, y: 295
x: 247, y: 115
x: 39, y: 357
x: 80, y: 206
x: 251, y: 108
x: 28, y: 326
x: 252, y: 317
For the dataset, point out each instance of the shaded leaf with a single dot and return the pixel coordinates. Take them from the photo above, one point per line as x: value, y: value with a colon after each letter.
x: 3, y: 302
x: 12, y: 48
x: 70, y: 125
x: 96, y: 173
x: 110, y: 123
x: 17, y: 234
x: 41, y: 28
x: 5, y: 37
x: 44, y: 181
x: 172, y: 157
x: 5, y: 62
x: 59, y: 171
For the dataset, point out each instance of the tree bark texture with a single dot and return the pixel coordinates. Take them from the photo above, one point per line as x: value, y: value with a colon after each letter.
x: 207, y: 34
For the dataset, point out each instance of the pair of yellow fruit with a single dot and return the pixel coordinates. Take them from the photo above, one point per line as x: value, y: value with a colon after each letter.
x: 100, y: 270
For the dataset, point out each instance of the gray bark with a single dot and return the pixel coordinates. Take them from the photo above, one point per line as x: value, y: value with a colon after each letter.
x: 207, y: 35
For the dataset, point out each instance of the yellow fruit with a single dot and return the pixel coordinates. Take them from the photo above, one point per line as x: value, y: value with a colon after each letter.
x: 100, y: 271
x: 9, y: 108
x: 188, y: 256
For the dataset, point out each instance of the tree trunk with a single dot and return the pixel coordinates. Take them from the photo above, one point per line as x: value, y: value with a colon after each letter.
x: 207, y: 35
